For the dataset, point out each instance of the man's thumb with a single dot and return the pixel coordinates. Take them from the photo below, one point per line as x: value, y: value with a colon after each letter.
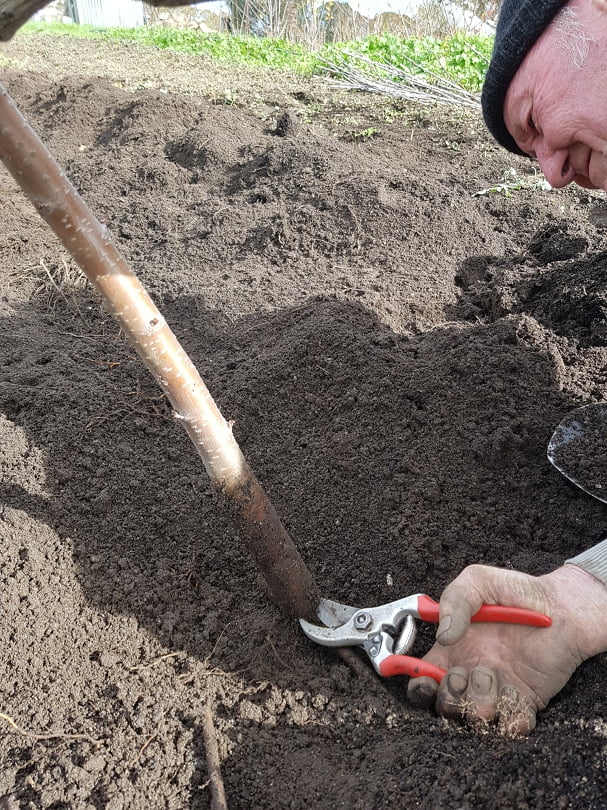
x: 453, y: 626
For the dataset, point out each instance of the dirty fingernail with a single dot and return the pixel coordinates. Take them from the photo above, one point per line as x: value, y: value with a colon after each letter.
x: 426, y: 692
x: 422, y: 696
x: 481, y: 682
x: 456, y: 683
x: 443, y: 627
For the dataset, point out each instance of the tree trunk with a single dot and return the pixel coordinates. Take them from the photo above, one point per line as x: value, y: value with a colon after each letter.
x: 57, y: 201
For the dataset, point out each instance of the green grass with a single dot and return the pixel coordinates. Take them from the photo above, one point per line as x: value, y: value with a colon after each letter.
x: 462, y: 58
x: 267, y: 52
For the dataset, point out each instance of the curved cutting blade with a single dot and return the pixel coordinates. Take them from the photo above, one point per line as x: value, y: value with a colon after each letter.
x: 328, y: 636
x: 578, y: 449
x: 335, y: 618
x: 334, y: 614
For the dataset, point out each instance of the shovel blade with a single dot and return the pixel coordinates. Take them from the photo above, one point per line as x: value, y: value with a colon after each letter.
x: 578, y: 449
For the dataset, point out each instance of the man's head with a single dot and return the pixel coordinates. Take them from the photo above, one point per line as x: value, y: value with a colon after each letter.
x: 520, y: 25
x: 545, y: 94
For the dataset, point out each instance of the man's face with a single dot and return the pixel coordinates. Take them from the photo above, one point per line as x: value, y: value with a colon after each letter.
x: 557, y: 112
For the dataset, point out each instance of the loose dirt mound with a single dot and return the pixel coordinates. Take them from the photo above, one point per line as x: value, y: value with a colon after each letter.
x: 395, y: 352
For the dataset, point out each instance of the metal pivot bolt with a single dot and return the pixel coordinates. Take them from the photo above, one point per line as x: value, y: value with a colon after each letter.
x: 362, y: 620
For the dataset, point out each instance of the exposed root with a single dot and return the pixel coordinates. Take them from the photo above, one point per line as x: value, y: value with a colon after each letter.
x: 145, y: 745
x: 153, y: 662
x: 56, y: 736
x: 516, y: 714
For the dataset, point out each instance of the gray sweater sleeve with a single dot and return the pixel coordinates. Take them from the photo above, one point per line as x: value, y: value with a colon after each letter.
x: 593, y: 560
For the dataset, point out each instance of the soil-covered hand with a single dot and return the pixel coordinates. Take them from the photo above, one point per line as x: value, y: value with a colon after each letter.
x: 507, y: 673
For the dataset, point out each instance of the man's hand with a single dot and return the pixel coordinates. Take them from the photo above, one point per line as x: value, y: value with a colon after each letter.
x: 507, y: 673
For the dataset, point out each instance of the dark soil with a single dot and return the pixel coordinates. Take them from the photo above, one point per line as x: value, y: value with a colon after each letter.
x: 395, y: 352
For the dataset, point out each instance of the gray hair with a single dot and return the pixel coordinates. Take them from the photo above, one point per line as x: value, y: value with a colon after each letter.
x: 571, y: 36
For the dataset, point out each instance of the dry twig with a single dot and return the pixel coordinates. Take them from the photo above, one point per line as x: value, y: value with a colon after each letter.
x: 378, y: 77
x: 55, y: 736
x: 153, y: 662
x: 218, y: 796
x: 148, y: 741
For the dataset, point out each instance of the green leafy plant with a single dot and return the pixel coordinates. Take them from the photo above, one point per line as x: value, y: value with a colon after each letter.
x: 461, y: 58
x: 364, y: 134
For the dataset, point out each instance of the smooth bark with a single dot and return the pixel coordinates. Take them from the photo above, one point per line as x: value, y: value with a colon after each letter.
x: 88, y: 241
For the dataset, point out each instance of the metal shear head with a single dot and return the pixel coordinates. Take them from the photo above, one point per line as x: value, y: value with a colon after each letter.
x: 381, y: 631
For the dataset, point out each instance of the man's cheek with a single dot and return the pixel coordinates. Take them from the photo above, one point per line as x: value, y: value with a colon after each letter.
x: 584, y: 182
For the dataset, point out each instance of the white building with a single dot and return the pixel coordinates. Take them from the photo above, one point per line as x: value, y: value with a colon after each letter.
x: 106, y: 13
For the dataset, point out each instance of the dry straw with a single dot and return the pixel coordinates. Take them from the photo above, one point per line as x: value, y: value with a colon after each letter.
x: 358, y: 72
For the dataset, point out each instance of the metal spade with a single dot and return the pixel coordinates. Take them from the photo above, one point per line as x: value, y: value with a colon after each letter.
x: 578, y: 449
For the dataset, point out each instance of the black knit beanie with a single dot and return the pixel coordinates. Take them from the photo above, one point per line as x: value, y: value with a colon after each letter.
x: 520, y: 24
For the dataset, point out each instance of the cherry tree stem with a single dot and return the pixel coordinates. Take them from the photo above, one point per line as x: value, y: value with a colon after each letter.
x: 88, y: 241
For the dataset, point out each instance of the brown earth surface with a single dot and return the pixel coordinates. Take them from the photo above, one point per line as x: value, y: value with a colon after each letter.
x: 395, y: 350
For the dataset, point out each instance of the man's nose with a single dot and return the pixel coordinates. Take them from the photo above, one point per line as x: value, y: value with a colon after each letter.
x: 555, y: 165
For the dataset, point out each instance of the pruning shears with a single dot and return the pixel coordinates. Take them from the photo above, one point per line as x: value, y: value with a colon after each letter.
x: 387, y: 632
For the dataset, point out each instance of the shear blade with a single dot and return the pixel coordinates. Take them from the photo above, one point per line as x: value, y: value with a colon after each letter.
x: 326, y: 636
x: 334, y: 614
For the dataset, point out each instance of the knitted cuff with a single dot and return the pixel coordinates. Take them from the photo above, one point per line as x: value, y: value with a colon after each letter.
x: 593, y: 560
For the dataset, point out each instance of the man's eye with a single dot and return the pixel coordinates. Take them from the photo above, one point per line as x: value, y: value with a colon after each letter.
x: 531, y: 124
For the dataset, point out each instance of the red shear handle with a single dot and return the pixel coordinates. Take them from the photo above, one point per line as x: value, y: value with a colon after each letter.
x: 413, y: 667
x: 428, y: 611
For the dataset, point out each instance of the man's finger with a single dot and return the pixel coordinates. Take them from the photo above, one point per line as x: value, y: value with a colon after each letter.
x: 421, y: 692
x: 459, y: 601
x: 482, y: 695
x: 453, y: 624
x: 481, y: 584
x: 451, y: 693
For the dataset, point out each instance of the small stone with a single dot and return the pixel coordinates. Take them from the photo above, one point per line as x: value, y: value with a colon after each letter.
x: 108, y: 659
x: 94, y: 764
